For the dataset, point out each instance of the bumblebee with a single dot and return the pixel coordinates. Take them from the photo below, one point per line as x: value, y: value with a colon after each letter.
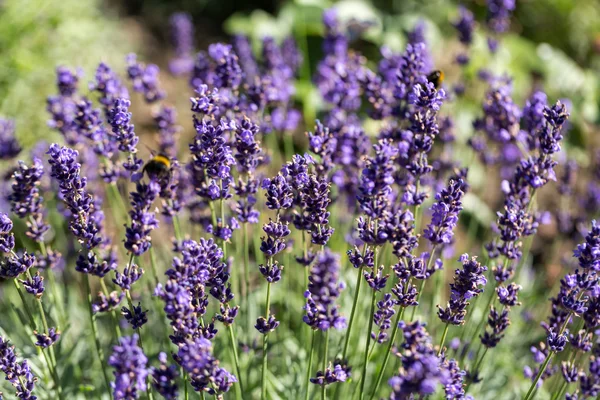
x: 436, y: 77
x: 159, y: 167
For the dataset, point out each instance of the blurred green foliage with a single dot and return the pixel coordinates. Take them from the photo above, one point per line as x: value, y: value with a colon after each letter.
x: 38, y: 35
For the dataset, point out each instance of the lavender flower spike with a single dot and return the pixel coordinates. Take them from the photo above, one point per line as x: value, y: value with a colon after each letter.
x: 129, y: 362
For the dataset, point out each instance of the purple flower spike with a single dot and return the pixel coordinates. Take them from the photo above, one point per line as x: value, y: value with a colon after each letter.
x: 9, y: 146
x: 182, y: 36
x: 18, y: 374
x: 26, y: 199
x: 468, y: 284
x: 129, y: 362
x: 323, y: 290
x: 164, y: 378
x: 445, y: 213
x: 144, y: 79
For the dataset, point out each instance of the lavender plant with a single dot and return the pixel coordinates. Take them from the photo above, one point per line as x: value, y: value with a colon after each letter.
x: 214, y: 215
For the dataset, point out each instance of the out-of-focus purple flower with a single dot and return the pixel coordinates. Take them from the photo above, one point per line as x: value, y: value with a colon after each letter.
x: 277, y: 80
x: 533, y: 117
x: 243, y: 49
x: 26, y: 199
x: 105, y: 304
x: 67, y: 81
x: 144, y: 79
x: 9, y: 146
x: 465, y: 25
x: 567, y: 180
x: 499, y: 13
x: 7, y: 238
x: 227, y: 70
x: 17, y: 373
x: 500, y: 121
x: 335, y: 40
x: 166, y: 121
x: 323, y: 290
x: 109, y: 87
x: 182, y: 37
x: 130, y: 364
x: 164, y: 378
x: 292, y: 57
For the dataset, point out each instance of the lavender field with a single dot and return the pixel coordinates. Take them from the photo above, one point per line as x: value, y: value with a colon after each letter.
x: 349, y: 201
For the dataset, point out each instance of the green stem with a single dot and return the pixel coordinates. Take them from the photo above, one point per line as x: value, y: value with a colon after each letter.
x: 33, y: 327
x: 443, y: 338
x: 153, y: 265
x: 235, y: 356
x: 222, y: 209
x: 324, y: 365
x: 422, y: 287
x: 530, y: 394
x: 363, y: 378
x: 476, y: 367
x: 149, y: 394
x: 310, y: 360
x: 246, y: 286
x: 95, y: 333
x: 185, y: 384
x: 177, y: 228
x: 263, y: 388
x: 352, y: 313
x: 388, y: 352
x: 113, y: 313
x: 55, y: 296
